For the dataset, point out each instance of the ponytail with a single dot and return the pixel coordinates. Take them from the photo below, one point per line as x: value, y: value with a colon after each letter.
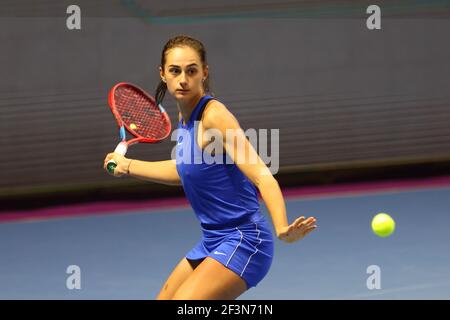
x: 160, y: 92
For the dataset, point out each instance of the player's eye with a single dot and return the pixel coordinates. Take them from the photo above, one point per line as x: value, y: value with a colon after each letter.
x: 174, y: 70
x: 192, y: 71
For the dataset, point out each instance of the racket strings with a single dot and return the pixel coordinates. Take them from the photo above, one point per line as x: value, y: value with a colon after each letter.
x: 140, y: 111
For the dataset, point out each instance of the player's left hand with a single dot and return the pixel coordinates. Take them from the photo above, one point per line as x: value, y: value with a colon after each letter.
x: 297, y: 230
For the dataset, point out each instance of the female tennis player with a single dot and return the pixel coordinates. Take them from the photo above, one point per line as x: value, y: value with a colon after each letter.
x: 236, y: 249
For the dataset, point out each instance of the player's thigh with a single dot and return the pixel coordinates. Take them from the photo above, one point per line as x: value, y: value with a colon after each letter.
x: 179, y: 274
x: 211, y: 280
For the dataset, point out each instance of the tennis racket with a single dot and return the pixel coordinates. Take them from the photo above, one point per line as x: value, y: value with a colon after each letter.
x: 136, y: 112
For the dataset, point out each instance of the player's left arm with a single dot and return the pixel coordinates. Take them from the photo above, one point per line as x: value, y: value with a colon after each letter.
x: 241, y: 151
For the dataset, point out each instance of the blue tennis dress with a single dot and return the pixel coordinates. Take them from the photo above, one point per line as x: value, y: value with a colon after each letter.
x: 234, y: 232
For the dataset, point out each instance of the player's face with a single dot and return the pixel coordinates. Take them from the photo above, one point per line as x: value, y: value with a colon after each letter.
x: 184, y: 73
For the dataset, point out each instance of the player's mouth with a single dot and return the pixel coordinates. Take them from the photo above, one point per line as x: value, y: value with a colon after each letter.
x: 182, y: 90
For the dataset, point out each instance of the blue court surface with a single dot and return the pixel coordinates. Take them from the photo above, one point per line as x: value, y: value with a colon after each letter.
x: 129, y: 255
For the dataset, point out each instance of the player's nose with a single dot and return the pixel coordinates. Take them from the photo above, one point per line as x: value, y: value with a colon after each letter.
x: 183, y: 79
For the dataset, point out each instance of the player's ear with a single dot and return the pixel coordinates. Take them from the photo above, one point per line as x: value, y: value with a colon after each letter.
x: 205, y: 72
x: 161, y: 74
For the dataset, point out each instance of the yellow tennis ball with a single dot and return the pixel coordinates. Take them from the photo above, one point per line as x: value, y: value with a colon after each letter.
x: 133, y: 126
x: 383, y: 225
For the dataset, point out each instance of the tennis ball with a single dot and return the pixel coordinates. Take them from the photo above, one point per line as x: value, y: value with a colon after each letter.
x: 133, y: 126
x: 383, y: 225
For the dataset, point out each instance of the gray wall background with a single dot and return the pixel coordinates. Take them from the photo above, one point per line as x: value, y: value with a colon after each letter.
x: 340, y: 94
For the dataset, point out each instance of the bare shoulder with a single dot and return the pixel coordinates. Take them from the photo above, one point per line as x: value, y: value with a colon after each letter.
x: 216, y: 114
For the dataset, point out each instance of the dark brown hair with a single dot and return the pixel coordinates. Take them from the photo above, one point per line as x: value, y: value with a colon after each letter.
x: 181, y: 41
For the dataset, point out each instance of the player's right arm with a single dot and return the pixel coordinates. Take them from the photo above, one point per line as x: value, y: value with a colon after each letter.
x: 164, y: 172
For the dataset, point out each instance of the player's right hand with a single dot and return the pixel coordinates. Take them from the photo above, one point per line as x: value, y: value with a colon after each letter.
x: 122, y: 164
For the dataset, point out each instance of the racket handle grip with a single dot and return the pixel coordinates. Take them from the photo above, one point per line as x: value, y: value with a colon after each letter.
x: 121, y: 149
x: 110, y: 166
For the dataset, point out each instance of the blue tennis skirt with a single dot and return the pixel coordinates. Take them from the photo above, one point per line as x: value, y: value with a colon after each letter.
x: 246, y: 249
